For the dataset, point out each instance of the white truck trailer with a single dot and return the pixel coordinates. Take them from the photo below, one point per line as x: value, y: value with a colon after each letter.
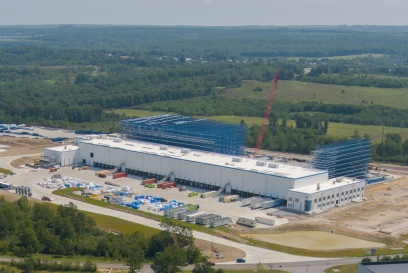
x: 192, y: 217
x: 256, y: 204
x: 266, y: 221
x: 183, y: 215
x: 172, y: 211
x: 248, y: 201
x: 272, y: 203
x: 246, y: 222
x: 221, y: 222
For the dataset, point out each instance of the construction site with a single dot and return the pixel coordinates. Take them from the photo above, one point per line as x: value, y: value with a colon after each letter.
x: 196, y: 171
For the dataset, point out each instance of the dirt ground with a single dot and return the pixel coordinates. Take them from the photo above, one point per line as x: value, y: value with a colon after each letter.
x: 23, y: 146
x: 382, y: 217
x: 209, y: 249
x: 24, y: 160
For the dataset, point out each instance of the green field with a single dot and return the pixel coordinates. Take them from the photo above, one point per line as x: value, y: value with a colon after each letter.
x: 342, y: 130
x: 328, y: 93
x: 5, y: 171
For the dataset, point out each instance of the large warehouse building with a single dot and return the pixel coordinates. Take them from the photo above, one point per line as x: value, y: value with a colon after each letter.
x: 238, y: 175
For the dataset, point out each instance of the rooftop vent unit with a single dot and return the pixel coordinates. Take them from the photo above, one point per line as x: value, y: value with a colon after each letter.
x: 185, y: 151
x: 273, y: 165
x: 162, y: 147
x: 117, y: 140
x: 260, y: 163
x: 237, y: 159
x: 339, y: 179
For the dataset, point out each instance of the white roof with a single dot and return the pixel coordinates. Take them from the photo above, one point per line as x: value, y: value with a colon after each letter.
x: 62, y: 148
x: 326, y: 186
x: 222, y: 160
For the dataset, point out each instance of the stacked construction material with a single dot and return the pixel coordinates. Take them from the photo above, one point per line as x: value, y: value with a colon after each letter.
x: 209, y: 194
x: 149, y: 181
x: 119, y: 175
x: 166, y: 185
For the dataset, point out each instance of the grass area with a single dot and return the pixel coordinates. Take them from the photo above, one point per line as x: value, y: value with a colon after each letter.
x: 342, y: 130
x: 116, y: 224
x: 328, y: 93
x: 5, y: 171
x: 347, y: 268
x: 324, y: 253
x: 375, y: 132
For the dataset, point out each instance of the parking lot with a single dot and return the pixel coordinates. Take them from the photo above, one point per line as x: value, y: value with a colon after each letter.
x: 30, y: 178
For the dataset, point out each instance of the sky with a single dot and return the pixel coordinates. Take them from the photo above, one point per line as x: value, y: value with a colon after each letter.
x: 204, y: 12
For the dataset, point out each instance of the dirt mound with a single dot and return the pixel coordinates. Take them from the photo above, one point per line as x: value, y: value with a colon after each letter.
x: 22, y: 146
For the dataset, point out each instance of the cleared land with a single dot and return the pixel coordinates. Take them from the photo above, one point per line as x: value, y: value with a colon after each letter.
x: 316, y: 240
x: 21, y: 146
x: 328, y: 93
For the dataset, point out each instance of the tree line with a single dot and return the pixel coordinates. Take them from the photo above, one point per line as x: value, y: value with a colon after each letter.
x: 26, y: 230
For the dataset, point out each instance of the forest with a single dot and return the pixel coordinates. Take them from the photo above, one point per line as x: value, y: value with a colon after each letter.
x: 74, y: 76
x: 26, y: 230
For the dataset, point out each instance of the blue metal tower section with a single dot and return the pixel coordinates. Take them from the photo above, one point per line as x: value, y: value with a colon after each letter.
x: 348, y: 158
x: 187, y: 132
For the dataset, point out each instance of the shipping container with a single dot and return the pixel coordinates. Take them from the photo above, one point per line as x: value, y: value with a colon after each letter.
x: 272, y: 203
x: 205, y: 220
x: 231, y: 198
x: 257, y: 203
x: 149, y: 181
x: 221, y: 198
x: 119, y: 175
x: 221, y: 222
x: 172, y: 210
x: 209, y: 194
x: 248, y: 201
x: 192, y: 217
x: 183, y: 215
x: 246, y: 222
x: 266, y: 221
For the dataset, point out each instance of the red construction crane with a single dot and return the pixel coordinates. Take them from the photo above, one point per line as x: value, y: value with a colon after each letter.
x: 266, y: 114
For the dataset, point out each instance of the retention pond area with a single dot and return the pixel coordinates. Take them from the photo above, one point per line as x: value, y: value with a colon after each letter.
x: 314, y: 240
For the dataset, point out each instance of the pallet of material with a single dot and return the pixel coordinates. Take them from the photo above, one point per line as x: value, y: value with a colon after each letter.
x: 119, y: 175
x: 149, y: 181
x: 208, y: 194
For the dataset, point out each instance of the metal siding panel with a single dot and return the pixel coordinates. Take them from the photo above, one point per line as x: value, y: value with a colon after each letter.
x: 254, y: 182
x: 278, y: 186
x: 168, y: 165
x: 190, y: 170
x: 151, y: 163
x: 210, y: 174
x: 234, y: 176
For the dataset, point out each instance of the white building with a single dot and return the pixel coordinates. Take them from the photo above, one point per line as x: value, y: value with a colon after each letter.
x: 61, y: 155
x: 336, y: 191
x: 239, y: 175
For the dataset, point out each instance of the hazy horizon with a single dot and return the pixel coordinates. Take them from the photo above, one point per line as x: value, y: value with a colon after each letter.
x: 204, y: 12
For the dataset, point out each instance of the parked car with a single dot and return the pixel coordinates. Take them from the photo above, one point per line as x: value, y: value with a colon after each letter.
x: 241, y: 260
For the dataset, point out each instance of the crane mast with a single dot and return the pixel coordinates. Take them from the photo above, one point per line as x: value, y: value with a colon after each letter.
x: 266, y: 114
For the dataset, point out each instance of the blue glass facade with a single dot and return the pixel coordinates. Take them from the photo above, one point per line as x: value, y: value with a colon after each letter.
x: 347, y: 159
x: 187, y: 132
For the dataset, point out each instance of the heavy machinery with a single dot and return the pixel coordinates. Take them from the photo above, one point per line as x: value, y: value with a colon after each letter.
x: 266, y: 114
x: 45, y: 198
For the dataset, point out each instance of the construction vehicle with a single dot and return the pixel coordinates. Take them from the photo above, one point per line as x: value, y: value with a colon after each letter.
x: 266, y: 114
x: 45, y: 198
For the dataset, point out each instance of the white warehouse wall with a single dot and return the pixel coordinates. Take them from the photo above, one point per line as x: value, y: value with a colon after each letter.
x: 248, y: 181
